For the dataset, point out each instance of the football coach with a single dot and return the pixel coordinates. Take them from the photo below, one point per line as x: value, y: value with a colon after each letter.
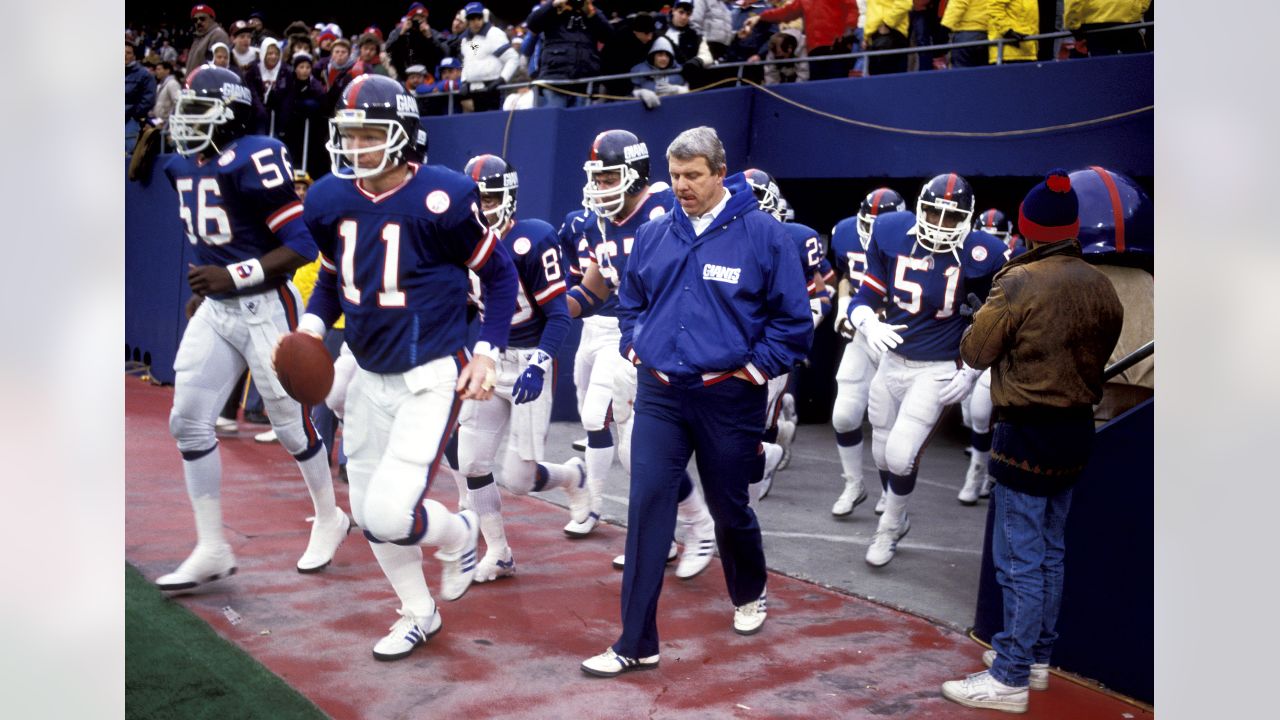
x: 712, y: 304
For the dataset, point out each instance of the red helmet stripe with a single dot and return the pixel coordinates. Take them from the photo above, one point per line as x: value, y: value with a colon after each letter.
x: 951, y: 185
x: 875, y: 202
x: 193, y: 74
x: 991, y: 218
x: 594, y: 145
x: 478, y: 170
x: 354, y: 88
x: 1117, y: 210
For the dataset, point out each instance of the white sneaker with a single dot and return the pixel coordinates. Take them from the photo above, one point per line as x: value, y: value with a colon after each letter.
x: 459, y: 567
x: 1039, y: 671
x: 786, y: 435
x: 620, y: 561
x: 987, y: 485
x: 749, y: 618
x: 980, y: 690
x: 406, y: 634
x: 772, y: 459
x: 610, y: 664
x: 885, y: 542
x: 204, y: 565
x: 225, y: 425
x: 882, y: 502
x: 974, y: 480
x: 496, y: 565
x: 584, y: 513
x: 324, y: 542
x: 266, y: 437
x: 696, y: 557
x: 853, y: 496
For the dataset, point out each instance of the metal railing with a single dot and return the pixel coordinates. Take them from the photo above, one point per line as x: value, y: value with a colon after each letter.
x: 1129, y: 360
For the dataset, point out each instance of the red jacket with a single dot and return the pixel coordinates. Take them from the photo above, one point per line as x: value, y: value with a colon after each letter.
x: 824, y: 20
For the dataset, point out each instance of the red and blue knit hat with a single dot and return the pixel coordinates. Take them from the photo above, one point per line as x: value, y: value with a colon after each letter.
x: 1050, y: 212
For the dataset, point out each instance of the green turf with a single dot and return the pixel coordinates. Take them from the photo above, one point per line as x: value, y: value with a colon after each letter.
x: 176, y: 666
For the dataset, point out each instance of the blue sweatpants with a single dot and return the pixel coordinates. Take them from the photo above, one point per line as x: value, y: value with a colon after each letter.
x: 720, y: 425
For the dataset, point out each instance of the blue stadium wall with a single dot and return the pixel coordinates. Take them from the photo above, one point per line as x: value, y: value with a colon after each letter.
x: 548, y: 147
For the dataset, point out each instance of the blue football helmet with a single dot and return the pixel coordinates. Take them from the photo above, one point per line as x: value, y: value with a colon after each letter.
x: 951, y: 198
x: 212, y: 110
x: 1116, y: 215
x: 617, y: 151
x: 375, y: 101
x: 766, y: 192
x: 877, y: 202
x: 495, y: 176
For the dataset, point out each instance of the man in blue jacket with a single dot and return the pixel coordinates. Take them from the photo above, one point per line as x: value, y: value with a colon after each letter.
x: 712, y: 304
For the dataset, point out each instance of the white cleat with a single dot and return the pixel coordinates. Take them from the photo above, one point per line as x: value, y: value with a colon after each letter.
x: 496, y: 565
x: 987, y: 485
x: 203, y: 565
x: 786, y: 435
x: 324, y: 542
x: 772, y: 459
x: 459, y: 567
x: 610, y: 664
x: 1039, y: 671
x: 749, y: 618
x: 980, y: 690
x: 885, y: 542
x: 975, y: 479
x: 406, y: 634
x: 584, y: 509
x: 696, y: 557
x: 225, y: 425
x: 853, y: 496
x: 620, y: 561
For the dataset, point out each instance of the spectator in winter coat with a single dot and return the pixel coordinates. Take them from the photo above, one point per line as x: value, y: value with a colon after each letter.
x: 488, y: 60
x: 627, y: 45
x: 205, y: 33
x: 449, y: 78
x: 337, y: 71
x: 270, y: 68
x: 301, y: 114
x: 243, y: 53
x: 414, y: 42
x: 221, y: 55
x: 967, y: 20
x: 684, y: 38
x: 1082, y: 16
x: 1013, y: 20
x: 826, y: 23
x: 370, y: 59
x: 167, y: 87
x: 714, y: 21
x: 661, y: 57
x: 139, y: 95
x: 784, y: 45
x: 570, y: 33
x: 886, y: 29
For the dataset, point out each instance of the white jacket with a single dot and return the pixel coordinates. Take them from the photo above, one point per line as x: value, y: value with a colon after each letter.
x: 712, y: 20
x: 487, y: 56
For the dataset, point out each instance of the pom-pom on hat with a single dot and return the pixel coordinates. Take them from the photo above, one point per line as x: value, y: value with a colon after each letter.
x: 1050, y: 212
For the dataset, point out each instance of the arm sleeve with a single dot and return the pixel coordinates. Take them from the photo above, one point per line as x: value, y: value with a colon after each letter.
x: 786, y: 13
x: 788, y: 329
x: 324, y: 302
x: 992, y: 330
x: 471, y: 244
x: 556, y: 311
x: 510, y: 60
x: 874, y: 289
x: 954, y: 13
x: 537, y: 20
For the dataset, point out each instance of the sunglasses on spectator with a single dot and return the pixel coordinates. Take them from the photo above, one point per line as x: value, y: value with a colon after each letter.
x: 200, y: 18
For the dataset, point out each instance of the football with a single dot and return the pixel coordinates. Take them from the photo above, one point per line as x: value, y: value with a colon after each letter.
x: 304, y: 368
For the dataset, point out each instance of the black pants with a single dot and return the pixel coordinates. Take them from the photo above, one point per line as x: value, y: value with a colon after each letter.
x: 887, y: 64
x: 1119, y: 42
x: 828, y: 69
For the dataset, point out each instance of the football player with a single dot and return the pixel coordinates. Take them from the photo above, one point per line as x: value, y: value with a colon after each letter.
x: 920, y: 267
x: 236, y: 201
x: 780, y: 412
x: 520, y: 411
x: 573, y: 246
x: 397, y: 239
x: 620, y: 199
x: 849, y: 241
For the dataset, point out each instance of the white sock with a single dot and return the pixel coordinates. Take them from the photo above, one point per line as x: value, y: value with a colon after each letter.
x: 315, y: 471
x: 445, y: 530
x: 851, y: 462
x: 487, y: 502
x: 894, y: 510
x: 598, y: 462
x: 560, y: 476
x: 204, y: 488
x: 692, y: 512
x: 402, y: 565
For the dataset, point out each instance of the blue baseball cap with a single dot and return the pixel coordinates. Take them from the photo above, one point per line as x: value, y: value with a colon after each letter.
x: 450, y: 62
x: 473, y: 8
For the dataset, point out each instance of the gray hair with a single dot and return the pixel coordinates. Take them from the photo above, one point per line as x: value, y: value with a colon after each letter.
x: 698, y: 142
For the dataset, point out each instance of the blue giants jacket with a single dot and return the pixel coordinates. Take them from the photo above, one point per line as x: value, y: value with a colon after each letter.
x: 696, y: 309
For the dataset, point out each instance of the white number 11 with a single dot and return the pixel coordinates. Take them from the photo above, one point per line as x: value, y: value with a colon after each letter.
x: 390, y: 295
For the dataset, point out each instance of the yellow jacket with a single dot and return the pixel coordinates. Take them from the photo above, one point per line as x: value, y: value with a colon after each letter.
x: 966, y: 15
x: 305, y: 279
x: 1081, y: 12
x: 1020, y: 16
x: 886, y: 12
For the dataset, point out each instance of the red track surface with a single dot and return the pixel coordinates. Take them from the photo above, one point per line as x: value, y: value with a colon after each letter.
x: 512, y: 649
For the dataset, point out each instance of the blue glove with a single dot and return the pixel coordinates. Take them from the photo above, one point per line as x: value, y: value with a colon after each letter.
x: 529, y: 385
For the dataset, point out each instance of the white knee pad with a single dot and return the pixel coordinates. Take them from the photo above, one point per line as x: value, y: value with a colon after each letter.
x: 518, y: 475
x: 900, y: 455
x: 295, y: 432
x: 846, y: 414
x: 389, y: 515
x: 192, y: 434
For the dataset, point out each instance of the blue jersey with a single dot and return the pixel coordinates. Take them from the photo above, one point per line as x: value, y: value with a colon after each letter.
x: 535, y: 250
x: 397, y: 263
x: 851, y: 257
x: 809, y: 249
x: 573, y: 243
x: 240, y: 205
x: 923, y: 290
x: 610, y: 251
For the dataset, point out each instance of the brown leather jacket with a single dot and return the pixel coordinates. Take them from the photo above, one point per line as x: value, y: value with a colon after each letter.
x: 1047, y: 329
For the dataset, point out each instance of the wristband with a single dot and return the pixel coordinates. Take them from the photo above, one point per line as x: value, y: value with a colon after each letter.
x: 247, y: 274
x: 484, y: 347
x: 540, y: 359
x: 585, y: 297
x: 311, y: 323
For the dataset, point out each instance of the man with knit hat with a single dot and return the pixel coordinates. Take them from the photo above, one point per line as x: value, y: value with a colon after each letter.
x: 1046, y: 330
x: 205, y: 33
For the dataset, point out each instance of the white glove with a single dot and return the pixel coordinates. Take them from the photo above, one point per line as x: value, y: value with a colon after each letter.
x: 818, y: 310
x: 344, y: 369
x: 880, y: 336
x: 844, y: 326
x: 648, y: 97
x: 960, y: 385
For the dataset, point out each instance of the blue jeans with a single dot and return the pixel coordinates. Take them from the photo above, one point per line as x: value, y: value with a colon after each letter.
x: 551, y: 98
x: 1028, y: 548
